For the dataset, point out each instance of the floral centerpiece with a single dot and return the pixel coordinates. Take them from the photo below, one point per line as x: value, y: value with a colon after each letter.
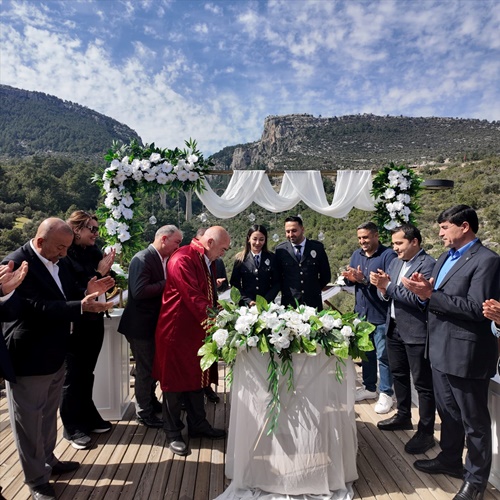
x: 280, y: 332
x: 396, y: 190
x: 134, y: 169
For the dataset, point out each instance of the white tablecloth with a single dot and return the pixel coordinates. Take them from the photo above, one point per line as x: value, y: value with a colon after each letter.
x: 312, y: 454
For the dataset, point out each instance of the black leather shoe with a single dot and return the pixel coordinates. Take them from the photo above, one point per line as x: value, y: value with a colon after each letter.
x: 152, y: 421
x: 64, y: 467
x: 177, y: 446
x: 434, y: 466
x: 211, y: 395
x: 420, y: 443
x: 43, y: 492
x: 210, y: 433
x: 468, y: 492
x: 395, y: 423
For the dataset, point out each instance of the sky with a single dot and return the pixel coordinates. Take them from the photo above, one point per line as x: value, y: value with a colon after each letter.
x: 214, y: 70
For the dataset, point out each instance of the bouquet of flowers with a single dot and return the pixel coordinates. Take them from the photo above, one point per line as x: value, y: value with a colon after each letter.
x: 134, y: 169
x: 396, y: 191
x: 280, y: 332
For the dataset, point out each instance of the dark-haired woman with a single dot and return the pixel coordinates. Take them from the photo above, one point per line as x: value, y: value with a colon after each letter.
x: 254, y: 272
x: 78, y: 411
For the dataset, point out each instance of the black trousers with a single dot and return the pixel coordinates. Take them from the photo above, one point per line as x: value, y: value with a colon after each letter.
x: 195, y: 409
x: 78, y: 411
x: 406, y: 359
x: 462, y: 404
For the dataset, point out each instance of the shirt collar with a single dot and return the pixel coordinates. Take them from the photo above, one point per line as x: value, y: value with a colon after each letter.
x: 48, y: 263
x: 456, y: 254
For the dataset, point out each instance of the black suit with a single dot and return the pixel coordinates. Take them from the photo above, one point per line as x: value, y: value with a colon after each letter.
x: 252, y: 281
x: 37, y: 340
x: 303, y: 281
x: 146, y: 281
x: 463, y: 354
x: 9, y: 309
x: 406, y: 338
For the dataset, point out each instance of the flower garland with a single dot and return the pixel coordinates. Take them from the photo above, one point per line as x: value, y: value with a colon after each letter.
x: 396, y: 191
x: 281, y: 332
x: 147, y: 169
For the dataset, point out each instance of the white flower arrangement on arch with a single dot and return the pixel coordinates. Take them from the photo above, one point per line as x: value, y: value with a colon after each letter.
x: 396, y: 190
x: 134, y: 170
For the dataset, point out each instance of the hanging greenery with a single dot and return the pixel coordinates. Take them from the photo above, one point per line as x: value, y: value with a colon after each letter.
x: 396, y: 190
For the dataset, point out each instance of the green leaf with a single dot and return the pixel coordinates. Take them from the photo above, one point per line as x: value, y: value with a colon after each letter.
x: 235, y: 295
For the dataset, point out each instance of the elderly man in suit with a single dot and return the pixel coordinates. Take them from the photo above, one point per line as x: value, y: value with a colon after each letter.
x: 146, y: 281
x: 406, y: 335
x: 461, y: 347
x: 302, y: 265
x: 37, y: 341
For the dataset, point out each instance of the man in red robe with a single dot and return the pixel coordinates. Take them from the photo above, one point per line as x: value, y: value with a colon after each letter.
x: 189, y: 294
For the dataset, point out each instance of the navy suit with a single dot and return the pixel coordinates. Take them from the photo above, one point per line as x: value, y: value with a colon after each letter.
x: 406, y: 338
x: 463, y: 354
x: 146, y: 281
x: 303, y: 281
x: 252, y: 281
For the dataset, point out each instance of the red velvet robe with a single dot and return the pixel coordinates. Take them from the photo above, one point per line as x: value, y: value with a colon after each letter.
x: 181, y: 325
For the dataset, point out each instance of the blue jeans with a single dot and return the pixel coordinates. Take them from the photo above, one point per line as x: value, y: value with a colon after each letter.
x: 369, y: 368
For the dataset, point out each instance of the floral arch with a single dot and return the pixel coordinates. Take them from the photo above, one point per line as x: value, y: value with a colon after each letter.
x: 132, y: 169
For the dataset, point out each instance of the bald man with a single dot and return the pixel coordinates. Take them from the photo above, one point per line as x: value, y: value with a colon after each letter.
x: 37, y: 341
x: 189, y: 294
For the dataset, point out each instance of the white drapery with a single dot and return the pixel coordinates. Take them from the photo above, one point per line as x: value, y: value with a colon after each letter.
x: 352, y: 189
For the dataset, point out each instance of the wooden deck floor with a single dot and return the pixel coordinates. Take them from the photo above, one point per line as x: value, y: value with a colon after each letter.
x: 132, y: 463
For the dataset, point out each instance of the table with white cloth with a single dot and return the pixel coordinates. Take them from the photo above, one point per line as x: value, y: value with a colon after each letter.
x: 312, y: 452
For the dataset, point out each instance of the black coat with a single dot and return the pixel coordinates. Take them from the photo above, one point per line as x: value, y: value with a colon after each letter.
x: 303, y: 281
x: 252, y: 281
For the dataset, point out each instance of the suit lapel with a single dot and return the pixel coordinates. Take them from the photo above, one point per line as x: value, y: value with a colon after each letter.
x: 469, y: 254
x: 157, y: 262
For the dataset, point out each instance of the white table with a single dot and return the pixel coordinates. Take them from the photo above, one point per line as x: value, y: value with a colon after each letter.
x: 111, y: 392
x: 312, y: 452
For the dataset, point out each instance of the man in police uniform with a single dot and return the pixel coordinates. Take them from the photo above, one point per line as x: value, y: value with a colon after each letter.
x: 303, y: 267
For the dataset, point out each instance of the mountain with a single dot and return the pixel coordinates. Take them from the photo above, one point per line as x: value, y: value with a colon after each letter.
x: 36, y: 123
x: 361, y: 142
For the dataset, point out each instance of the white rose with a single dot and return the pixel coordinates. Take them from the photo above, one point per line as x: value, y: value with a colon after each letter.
x: 155, y: 157
x: 337, y: 323
x: 327, y: 322
x: 346, y: 331
x: 220, y: 337
x: 389, y: 194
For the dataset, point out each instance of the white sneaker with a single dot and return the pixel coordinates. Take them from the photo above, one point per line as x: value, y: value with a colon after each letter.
x: 384, y: 403
x: 362, y: 394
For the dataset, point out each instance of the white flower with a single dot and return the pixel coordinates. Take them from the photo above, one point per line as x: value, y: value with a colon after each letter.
x: 403, y: 198
x: 193, y: 176
x: 127, y: 200
x: 192, y: 158
x: 252, y: 341
x: 327, y: 321
x: 111, y: 226
x: 137, y: 175
x: 167, y: 167
x: 181, y: 165
x: 304, y: 330
x: 389, y: 194
x: 392, y: 224
x: 115, y: 164
x: 122, y: 231
x: 117, y: 246
x: 346, y: 331
x: 182, y: 175
x: 145, y: 165
x: 398, y: 206
x: 116, y: 212
x: 220, y: 337
x: 356, y: 321
x: 150, y: 176
x: 155, y: 157
x: 270, y: 319
x: 162, y: 178
x: 338, y: 323
x: 125, y: 160
x: 127, y: 213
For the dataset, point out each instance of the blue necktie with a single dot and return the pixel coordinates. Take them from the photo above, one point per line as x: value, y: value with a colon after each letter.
x: 256, y: 259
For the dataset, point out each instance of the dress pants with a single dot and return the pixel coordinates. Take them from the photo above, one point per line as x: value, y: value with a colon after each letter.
x: 369, y: 367
x: 145, y: 385
x: 33, y: 402
x: 195, y: 410
x: 403, y: 360
x: 78, y: 411
x: 462, y: 404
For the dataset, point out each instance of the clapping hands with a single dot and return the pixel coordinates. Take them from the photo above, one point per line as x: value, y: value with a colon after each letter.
x: 10, y: 279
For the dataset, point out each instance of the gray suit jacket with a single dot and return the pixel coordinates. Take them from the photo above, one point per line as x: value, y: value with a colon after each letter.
x: 460, y: 339
x: 146, y: 281
x: 411, y: 320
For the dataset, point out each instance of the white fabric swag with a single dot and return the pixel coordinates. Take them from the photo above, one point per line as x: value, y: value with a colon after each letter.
x: 352, y: 189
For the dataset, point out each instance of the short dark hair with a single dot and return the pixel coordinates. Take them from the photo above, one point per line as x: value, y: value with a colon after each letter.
x: 410, y: 232
x: 370, y: 226
x: 294, y: 218
x: 458, y: 215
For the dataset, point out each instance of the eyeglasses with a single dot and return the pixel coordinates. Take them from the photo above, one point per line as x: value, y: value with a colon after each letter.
x: 93, y: 229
